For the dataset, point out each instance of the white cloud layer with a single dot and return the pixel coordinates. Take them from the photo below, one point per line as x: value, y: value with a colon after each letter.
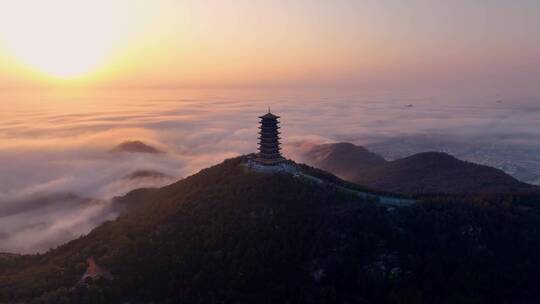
x: 47, y: 149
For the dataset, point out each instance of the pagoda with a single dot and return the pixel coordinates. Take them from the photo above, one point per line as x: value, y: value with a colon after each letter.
x: 269, y: 149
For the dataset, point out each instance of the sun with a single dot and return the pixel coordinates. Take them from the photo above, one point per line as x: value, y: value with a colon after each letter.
x: 60, y: 38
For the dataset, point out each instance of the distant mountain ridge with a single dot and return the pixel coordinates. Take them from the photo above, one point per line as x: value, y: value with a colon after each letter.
x: 135, y: 146
x: 423, y: 173
x: 343, y: 159
x: 152, y: 174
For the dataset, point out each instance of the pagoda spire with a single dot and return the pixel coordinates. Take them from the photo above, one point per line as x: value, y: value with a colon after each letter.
x: 269, y: 145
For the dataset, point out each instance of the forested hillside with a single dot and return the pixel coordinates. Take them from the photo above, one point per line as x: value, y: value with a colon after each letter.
x: 231, y: 235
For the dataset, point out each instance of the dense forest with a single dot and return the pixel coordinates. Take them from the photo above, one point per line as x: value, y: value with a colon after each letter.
x: 231, y: 235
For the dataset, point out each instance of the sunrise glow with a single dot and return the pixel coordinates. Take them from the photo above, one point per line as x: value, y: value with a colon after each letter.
x: 65, y: 39
x: 168, y: 43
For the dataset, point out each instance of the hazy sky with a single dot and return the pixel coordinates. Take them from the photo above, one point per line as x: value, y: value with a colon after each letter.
x: 416, y: 44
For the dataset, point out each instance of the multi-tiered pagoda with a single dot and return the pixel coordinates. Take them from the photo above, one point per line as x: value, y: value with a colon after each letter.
x: 269, y: 149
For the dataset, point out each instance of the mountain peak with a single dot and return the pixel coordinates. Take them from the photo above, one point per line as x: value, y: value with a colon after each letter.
x: 439, y: 157
x: 135, y: 146
x: 146, y: 174
x: 343, y: 159
x: 422, y: 173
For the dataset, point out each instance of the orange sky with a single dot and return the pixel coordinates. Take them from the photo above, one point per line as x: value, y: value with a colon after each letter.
x: 270, y: 43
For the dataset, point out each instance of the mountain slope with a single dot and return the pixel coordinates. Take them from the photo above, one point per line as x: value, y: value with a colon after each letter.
x: 423, y: 173
x: 230, y: 235
x: 343, y: 159
x: 434, y: 172
x: 210, y: 227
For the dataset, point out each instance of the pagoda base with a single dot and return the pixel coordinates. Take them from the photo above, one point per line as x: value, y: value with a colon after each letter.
x: 269, y: 162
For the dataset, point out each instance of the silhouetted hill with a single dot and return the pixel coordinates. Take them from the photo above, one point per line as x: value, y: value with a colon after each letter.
x: 423, y: 173
x: 135, y: 147
x: 343, y: 159
x: 435, y: 172
x: 146, y: 174
x: 230, y: 234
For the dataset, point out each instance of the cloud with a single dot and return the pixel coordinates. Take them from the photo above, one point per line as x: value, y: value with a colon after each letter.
x: 47, y: 150
x: 37, y: 223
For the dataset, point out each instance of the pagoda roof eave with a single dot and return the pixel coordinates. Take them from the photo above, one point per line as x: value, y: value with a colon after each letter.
x: 269, y: 116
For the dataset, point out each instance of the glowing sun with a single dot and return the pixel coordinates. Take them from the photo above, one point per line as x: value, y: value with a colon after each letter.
x: 61, y: 38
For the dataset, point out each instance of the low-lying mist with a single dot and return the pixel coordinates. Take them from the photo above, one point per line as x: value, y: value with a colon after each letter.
x: 59, y: 168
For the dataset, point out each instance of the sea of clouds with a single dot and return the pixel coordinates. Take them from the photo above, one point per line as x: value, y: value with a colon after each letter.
x: 58, y: 174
